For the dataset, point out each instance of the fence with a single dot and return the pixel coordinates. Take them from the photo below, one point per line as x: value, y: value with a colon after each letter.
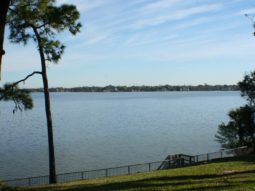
x: 171, y: 161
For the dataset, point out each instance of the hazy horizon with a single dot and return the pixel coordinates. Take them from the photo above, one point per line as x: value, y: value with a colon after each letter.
x: 40, y: 87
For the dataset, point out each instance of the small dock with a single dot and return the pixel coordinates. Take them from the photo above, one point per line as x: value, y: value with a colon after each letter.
x: 177, y: 160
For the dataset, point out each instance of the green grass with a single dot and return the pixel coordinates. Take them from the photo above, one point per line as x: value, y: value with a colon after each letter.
x: 228, y: 174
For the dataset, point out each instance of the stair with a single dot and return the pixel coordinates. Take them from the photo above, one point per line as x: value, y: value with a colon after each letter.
x: 177, y: 160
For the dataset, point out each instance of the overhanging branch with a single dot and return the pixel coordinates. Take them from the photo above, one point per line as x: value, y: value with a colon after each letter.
x: 24, y: 79
x: 16, y: 83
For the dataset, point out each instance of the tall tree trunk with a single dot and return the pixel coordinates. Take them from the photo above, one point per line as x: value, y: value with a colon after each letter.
x: 52, y: 166
x: 4, y: 5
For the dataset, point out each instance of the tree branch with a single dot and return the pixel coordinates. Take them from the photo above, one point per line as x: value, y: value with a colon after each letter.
x: 43, y: 25
x: 24, y: 79
x: 12, y: 10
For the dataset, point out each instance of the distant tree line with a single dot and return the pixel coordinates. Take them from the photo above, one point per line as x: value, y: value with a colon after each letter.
x: 112, y: 88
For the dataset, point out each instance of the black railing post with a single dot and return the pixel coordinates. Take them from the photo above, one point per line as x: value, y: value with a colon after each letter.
x: 149, y: 167
x: 29, y: 181
x: 128, y: 169
x: 106, y: 172
x: 182, y: 162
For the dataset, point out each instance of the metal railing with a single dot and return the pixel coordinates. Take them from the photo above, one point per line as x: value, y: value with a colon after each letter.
x: 171, y: 161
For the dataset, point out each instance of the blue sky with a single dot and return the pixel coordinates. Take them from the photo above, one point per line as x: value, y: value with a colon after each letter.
x: 147, y: 42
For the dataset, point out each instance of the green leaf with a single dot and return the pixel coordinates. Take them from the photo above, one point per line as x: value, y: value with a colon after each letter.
x: 21, y: 98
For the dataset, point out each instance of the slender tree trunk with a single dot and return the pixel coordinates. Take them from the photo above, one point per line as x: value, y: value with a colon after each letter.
x: 4, y: 5
x: 52, y: 166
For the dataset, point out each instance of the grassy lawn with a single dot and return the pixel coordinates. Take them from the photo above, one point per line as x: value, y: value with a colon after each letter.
x: 229, y: 174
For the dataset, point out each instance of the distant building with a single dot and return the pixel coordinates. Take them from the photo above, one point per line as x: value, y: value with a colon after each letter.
x: 184, y: 88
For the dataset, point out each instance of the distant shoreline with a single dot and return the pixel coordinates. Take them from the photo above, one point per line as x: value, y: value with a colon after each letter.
x: 164, y: 88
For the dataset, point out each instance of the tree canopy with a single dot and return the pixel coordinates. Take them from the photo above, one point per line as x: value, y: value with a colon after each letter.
x: 240, y: 130
x: 247, y: 87
x: 21, y: 98
x: 47, y: 19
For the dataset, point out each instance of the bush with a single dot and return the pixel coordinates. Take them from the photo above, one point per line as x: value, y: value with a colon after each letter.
x: 240, y: 130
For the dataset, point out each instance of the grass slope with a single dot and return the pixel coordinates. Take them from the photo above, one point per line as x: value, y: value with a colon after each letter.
x: 229, y: 174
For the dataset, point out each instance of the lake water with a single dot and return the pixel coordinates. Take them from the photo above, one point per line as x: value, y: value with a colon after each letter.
x: 99, y: 130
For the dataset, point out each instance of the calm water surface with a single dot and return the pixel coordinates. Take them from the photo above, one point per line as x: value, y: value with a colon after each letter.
x: 99, y: 130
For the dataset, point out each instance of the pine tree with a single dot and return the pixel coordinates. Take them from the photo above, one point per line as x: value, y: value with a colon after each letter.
x: 41, y: 21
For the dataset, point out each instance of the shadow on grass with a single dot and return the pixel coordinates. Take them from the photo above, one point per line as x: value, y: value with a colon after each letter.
x: 249, y: 159
x: 244, y: 158
x: 176, y: 183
